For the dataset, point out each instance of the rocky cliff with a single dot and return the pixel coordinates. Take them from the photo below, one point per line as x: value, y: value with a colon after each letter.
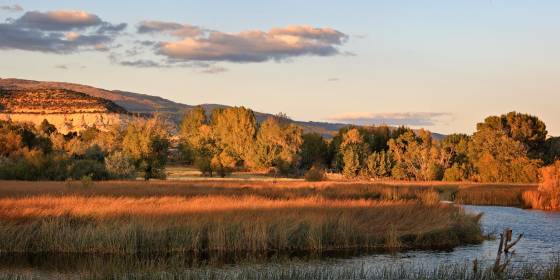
x: 68, y: 110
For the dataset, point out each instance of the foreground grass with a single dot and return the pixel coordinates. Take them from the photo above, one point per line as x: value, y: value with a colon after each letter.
x: 301, y: 271
x: 208, y: 226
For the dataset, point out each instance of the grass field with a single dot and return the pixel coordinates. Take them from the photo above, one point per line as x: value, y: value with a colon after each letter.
x: 224, y: 218
x: 463, y: 193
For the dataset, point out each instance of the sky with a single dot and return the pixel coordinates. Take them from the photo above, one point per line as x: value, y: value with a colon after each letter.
x: 441, y: 65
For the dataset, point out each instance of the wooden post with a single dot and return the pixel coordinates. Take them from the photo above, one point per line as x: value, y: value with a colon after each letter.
x: 504, y: 248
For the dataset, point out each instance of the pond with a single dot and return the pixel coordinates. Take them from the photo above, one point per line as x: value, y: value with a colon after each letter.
x: 540, y: 244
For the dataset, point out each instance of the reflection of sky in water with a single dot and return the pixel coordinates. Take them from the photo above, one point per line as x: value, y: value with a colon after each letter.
x: 540, y: 244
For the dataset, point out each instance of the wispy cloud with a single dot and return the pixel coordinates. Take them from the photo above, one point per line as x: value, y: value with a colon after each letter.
x: 199, y: 44
x: 214, y: 70
x: 12, y: 8
x: 171, y: 28
x: 402, y: 118
x: 58, y: 32
x: 334, y: 79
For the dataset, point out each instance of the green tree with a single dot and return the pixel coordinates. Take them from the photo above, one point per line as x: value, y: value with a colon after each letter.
x: 527, y: 129
x: 147, y: 143
x: 378, y: 165
x: 354, y: 151
x: 497, y: 157
x: 552, y: 148
x: 454, y: 157
x: 120, y: 166
x: 314, y: 150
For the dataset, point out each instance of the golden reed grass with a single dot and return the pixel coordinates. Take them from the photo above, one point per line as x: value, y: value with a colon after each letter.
x: 547, y: 197
x: 225, y: 225
x: 493, y: 194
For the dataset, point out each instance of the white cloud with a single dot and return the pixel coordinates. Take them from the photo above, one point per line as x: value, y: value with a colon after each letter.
x: 400, y: 118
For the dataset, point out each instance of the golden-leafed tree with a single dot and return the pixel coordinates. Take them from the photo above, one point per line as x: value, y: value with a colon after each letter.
x: 234, y: 130
x: 278, y: 144
x: 147, y: 143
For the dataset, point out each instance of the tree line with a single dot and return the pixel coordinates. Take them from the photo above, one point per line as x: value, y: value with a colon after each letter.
x: 507, y: 148
x: 42, y: 153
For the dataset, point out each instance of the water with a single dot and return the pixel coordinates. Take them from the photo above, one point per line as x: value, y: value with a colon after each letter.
x: 540, y: 242
x: 540, y: 245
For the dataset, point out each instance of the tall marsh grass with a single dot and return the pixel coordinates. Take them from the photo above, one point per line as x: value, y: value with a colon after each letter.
x: 222, y: 225
x: 547, y: 197
x: 497, y: 195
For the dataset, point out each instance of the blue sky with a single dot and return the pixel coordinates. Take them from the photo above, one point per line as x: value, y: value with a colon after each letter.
x: 443, y: 65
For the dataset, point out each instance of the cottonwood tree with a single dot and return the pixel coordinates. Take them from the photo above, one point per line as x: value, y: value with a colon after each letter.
x: 147, y: 143
x: 191, y: 133
x: 378, y: 165
x: 454, y: 157
x: 416, y: 157
x: 278, y: 144
x: 497, y: 157
x: 234, y: 130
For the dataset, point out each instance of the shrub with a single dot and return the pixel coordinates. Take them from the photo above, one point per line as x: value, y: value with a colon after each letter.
x: 94, y: 153
x: 120, y: 166
x: 548, y: 195
x: 455, y: 173
x: 429, y: 197
x: 86, y: 182
x: 204, y: 165
x: 315, y: 174
x: 95, y: 169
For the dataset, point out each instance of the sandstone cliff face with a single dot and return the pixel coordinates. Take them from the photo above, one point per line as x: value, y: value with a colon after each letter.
x: 74, y: 122
x: 68, y: 110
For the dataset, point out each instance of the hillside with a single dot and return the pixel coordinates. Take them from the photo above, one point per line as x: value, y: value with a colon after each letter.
x: 68, y: 110
x: 54, y: 101
x: 143, y: 103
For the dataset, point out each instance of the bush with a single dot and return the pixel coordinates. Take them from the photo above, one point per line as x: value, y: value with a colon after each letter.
x: 548, y: 195
x: 456, y: 173
x: 120, y: 166
x: 94, y: 153
x: 315, y: 174
x: 82, y: 168
x: 204, y: 165
x: 429, y: 197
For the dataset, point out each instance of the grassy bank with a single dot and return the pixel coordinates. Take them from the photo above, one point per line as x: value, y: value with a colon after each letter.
x: 221, y: 225
x: 494, y: 194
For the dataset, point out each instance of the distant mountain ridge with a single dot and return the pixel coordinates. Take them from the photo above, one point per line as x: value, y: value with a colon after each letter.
x: 147, y: 104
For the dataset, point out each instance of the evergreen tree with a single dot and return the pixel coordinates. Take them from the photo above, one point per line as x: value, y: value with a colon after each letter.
x: 314, y: 151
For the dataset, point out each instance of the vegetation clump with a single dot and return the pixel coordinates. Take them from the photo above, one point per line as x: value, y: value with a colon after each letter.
x: 547, y: 196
